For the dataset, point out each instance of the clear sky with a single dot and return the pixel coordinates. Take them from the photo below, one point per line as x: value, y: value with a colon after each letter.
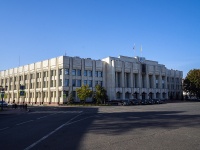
x: 36, y: 30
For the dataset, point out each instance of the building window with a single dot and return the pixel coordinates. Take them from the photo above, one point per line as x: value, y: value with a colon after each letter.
x: 25, y: 77
x: 51, y: 83
x: 163, y: 82
x: 90, y: 83
x: 127, y: 75
x: 52, y: 72
x: 89, y: 73
x: 60, y: 71
x: 157, y: 82
x: 66, y: 71
x: 85, y: 82
x: 73, y: 82
x: 60, y: 82
x: 78, y: 72
x: 78, y: 83
x: 96, y: 73
x: 85, y: 72
x: 74, y: 94
x: 74, y: 72
x: 101, y: 83
x: 96, y: 82
x: 100, y: 74
x: 118, y: 95
x: 66, y: 82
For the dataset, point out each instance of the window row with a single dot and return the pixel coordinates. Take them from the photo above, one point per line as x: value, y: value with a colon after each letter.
x: 78, y: 83
x: 77, y: 72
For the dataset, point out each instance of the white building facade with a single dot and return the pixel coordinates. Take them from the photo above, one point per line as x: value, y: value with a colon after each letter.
x: 46, y: 82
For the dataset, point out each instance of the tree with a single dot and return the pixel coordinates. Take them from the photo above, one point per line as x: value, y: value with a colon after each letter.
x: 70, y: 98
x: 191, y: 84
x: 100, y: 94
x: 84, y: 92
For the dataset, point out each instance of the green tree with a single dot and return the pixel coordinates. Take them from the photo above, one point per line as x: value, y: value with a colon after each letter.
x: 191, y: 84
x: 84, y: 92
x: 100, y: 94
x: 70, y: 98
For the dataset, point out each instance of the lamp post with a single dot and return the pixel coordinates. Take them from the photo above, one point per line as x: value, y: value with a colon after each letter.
x: 2, y: 89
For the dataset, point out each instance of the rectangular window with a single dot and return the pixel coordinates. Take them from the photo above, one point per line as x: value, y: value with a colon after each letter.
x: 52, y: 72
x: 66, y: 71
x: 157, y: 82
x: 96, y: 82
x: 78, y: 72
x: 85, y: 72
x: 74, y: 94
x: 73, y: 82
x: 74, y: 72
x: 85, y: 82
x: 60, y: 82
x: 78, y: 83
x: 101, y: 83
x: 44, y: 84
x: 89, y: 73
x: 100, y: 74
x: 60, y: 71
x: 66, y: 82
x: 163, y: 82
x: 25, y: 77
x: 90, y: 83
x: 51, y: 83
x: 96, y: 73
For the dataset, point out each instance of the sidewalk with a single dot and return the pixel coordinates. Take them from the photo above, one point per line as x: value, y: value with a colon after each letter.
x: 13, y: 111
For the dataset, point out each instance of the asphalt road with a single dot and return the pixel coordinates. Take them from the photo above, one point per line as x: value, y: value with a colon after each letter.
x: 172, y: 126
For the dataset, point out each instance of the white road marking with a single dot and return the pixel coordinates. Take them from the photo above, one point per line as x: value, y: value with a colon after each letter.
x: 24, y: 122
x: 46, y: 116
x: 46, y: 136
x: 65, y: 112
x: 4, y: 128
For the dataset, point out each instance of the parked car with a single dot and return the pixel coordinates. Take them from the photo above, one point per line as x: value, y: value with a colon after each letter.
x: 4, y: 104
x: 156, y: 101
x: 134, y: 101
x: 125, y: 102
x: 162, y: 101
x: 150, y: 101
x: 144, y: 101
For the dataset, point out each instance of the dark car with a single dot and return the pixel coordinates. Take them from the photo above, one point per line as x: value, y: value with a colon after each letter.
x: 150, y: 101
x: 162, y: 101
x: 134, y: 101
x: 156, y: 101
x: 4, y: 104
x: 144, y: 101
x: 125, y: 102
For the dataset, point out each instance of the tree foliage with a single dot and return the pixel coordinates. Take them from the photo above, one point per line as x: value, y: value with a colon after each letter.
x: 100, y: 94
x: 70, y: 98
x: 191, y: 84
x: 84, y: 92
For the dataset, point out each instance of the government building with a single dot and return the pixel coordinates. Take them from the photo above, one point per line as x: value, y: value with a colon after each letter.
x: 50, y: 81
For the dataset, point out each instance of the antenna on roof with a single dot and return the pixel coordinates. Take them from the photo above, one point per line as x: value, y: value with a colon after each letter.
x: 65, y: 53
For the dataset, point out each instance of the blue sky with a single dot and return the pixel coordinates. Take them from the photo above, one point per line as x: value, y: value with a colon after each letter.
x: 36, y: 30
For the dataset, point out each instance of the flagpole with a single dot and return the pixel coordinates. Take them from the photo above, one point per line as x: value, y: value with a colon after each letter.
x: 133, y: 49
